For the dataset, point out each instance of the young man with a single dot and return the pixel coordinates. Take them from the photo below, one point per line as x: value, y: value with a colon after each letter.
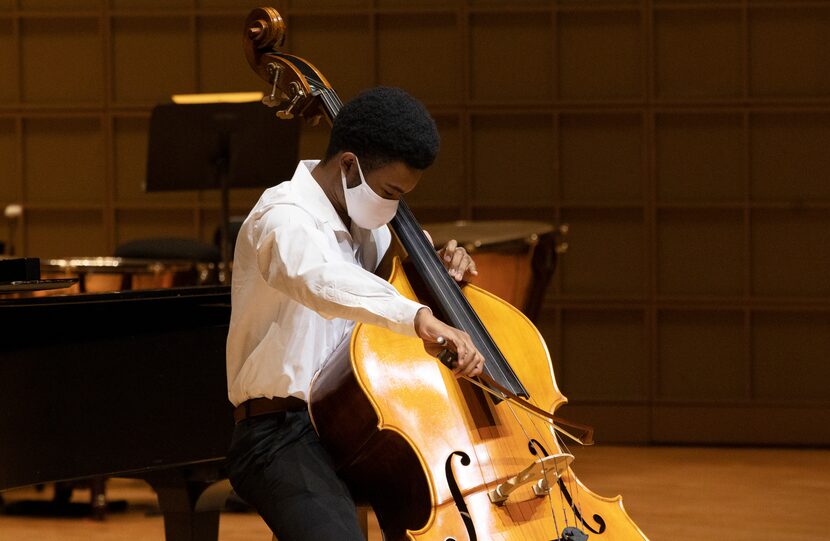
x: 302, y: 277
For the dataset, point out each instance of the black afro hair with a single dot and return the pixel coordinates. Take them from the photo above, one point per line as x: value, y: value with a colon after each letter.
x: 383, y: 125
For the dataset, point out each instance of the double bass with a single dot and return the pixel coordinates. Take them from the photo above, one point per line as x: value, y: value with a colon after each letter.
x: 439, y: 458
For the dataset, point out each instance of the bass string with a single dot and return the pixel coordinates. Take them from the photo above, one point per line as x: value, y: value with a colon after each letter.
x: 544, y: 434
x: 438, y: 272
x: 558, y: 443
x: 331, y: 101
x: 461, y: 312
x: 548, y: 435
x: 573, y: 484
x: 547, y: 444
x: 448, y: 291
x: 407, y: 227
x: 556, y: 447
x: 544, y: 467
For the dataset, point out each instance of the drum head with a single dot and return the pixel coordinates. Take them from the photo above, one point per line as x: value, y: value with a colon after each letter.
x: 497, y: 235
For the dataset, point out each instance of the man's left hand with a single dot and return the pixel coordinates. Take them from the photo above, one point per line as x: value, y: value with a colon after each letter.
x: 457, y: 261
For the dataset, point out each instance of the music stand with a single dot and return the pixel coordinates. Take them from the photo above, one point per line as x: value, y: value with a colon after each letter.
x: 219, y: 145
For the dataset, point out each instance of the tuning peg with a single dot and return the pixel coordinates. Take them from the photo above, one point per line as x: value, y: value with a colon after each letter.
x: 288, y: 112
x: 274, y: 70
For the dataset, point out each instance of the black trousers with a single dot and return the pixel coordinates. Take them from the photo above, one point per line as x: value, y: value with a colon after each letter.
x: 278, y: 465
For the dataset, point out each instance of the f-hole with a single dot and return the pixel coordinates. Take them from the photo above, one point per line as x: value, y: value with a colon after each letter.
x: 535, y: 449
x: 457, y: 496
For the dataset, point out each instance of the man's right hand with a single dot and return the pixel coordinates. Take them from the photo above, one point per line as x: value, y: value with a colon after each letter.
x: 430, y: 329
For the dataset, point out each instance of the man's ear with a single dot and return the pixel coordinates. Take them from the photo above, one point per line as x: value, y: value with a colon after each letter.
x: 347, y: 161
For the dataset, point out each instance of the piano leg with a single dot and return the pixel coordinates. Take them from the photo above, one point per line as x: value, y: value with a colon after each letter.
x: 190, y: 504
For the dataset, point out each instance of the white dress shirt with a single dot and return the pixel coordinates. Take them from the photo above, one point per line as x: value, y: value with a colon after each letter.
x: 300, y: 281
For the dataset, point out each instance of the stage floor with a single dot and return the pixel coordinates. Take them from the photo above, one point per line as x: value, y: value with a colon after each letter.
x: 673, y: 493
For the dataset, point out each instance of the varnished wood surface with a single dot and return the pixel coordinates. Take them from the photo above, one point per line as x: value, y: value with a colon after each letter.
x: 674, y: 494
x: 443, y: 424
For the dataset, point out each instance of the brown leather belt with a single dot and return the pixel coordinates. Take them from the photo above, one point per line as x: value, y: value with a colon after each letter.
x: 267, y: 406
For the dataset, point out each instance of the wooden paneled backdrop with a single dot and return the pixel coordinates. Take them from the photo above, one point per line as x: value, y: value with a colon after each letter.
x: 686, y: 142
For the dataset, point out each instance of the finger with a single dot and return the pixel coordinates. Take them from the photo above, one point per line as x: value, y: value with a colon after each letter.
x: 473, y: 361
x: 479, y: 368
x: 458, y: 258
x: 462, y: 360
x: 468, y: 370
x: 449, y: 249
x: 462, y: 268
x: 474, y: 366
x: 472, y: 268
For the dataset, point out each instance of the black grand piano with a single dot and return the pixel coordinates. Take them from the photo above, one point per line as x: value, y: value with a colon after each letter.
x: 128, y: 384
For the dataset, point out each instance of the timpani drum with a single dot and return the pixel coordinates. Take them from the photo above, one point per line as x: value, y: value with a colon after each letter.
x: 515, y: 259
x: 102, y: 274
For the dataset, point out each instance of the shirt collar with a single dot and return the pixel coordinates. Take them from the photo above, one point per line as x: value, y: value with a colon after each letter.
x: 312, y: 195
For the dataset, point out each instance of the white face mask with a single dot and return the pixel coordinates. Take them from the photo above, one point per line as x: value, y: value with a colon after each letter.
x: 366, y: 208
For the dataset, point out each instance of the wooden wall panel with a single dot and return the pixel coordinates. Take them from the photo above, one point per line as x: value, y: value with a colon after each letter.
x: 340, y: 46
x: 149, y: 4
x: 330, y: 4
x: 78, y: 231
x: 240, y: 4
x: 221, y: 62
x: 701, y: 253
x: 411, y: 46
x: 601, y: 158
x: 684, y: 141
x: 698, y: 53
x: 606, y: 256
x: 64, y: 160
x: 791, y: 253
x: 61, y: 60
x: 790, y: 352
x: 499, y: 70
x: 443, y: 184
x: 8, y: 62
x: 789, y: 51
x: 513, y: 159
x: 153, y: 58
x: 790, y: 161
x: 9, y: 176
x: 694, y: 343
x: 601, y: 55
x: 700, y: 157
x: 64, y: 5
x: 604, y: 354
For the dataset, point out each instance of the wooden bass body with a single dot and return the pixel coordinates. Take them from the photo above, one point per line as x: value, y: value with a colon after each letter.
x: 426, y: 449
